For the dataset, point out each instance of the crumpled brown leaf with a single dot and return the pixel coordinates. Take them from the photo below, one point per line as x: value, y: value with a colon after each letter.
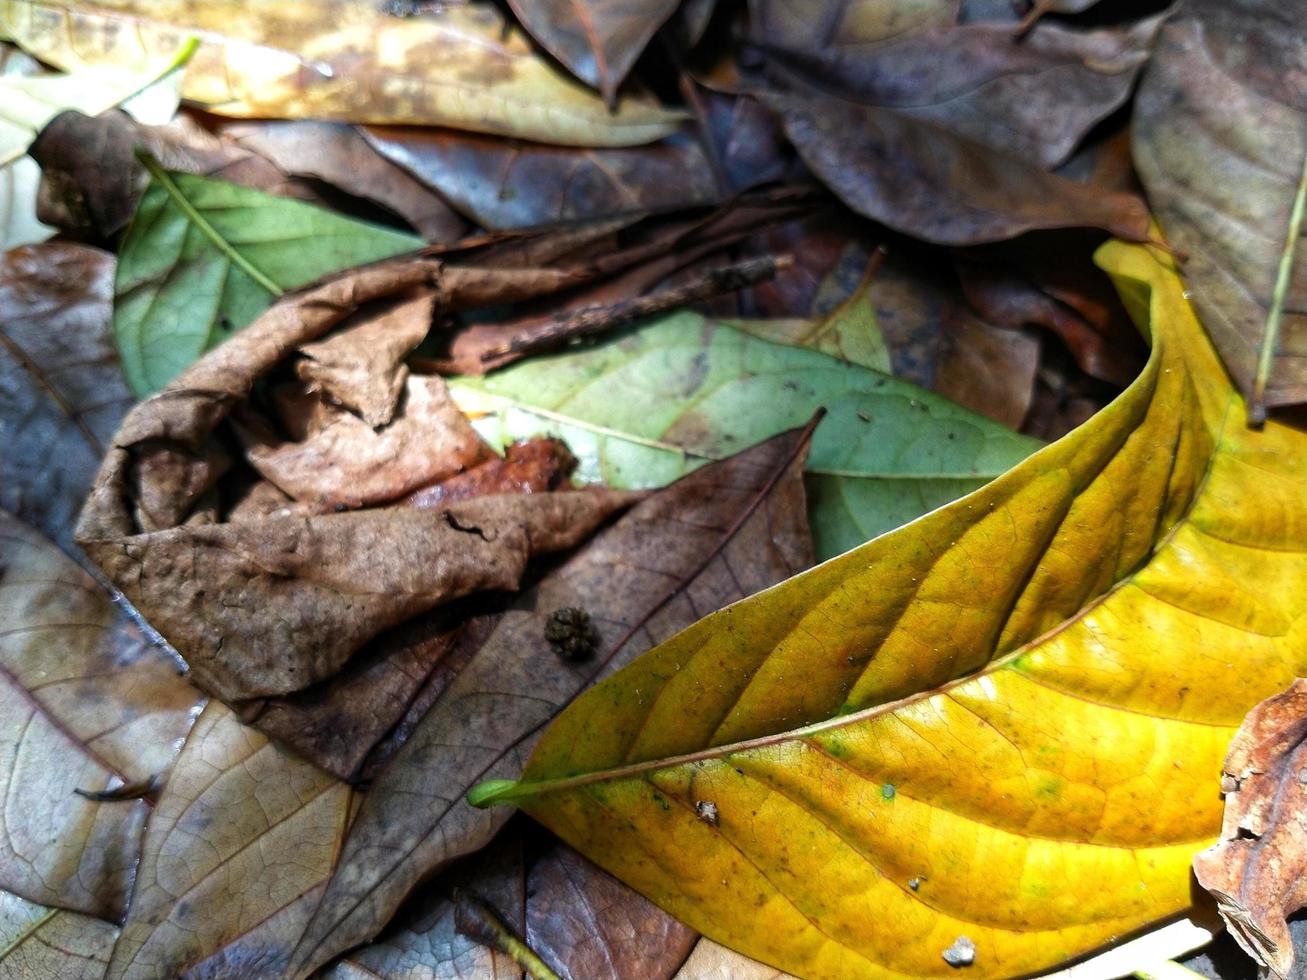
x: 274, y: 604
x: 85, y: 704
x: 1258, y: 870
x: 714, y: 536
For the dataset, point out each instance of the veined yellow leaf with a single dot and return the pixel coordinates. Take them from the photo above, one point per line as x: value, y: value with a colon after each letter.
x: 339, y: 59
x: 1000, y: 726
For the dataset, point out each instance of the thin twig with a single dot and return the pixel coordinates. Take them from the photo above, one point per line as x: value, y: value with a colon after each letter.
x: 477, y: 920
x: 590, y: 321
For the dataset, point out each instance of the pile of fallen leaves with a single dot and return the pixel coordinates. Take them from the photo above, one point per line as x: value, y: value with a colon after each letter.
x: 654, y: 491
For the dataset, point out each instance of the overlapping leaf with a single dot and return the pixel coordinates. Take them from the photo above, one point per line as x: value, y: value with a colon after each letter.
x: 203, y: 258
x: 641, y: 410
x: 1002, y: 722
x: 51, y: 944
x: 456, y: 65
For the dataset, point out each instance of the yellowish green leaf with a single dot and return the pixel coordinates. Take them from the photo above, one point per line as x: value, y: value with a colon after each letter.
x: 456, y: 65
x: 998, y: 727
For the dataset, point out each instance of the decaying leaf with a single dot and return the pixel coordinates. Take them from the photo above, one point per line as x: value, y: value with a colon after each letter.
x: 920, y: 178
x: 1220, y: 140
x: 87, y: 705
x: 62, y: 393
x: 456, y: 65
x: 1256, y: 870
x: 711, y: 961
x: 235, y: 855
x: 202, y: 258
x: 640, y: 410
x: 501, y: 183
x: 424, y: 937
x: 715, y: 536
x: 276, y: 603
x: 599, y: 40
x: 584, y: 923
x: 55, y: 944
x: 1032, y: 96
x: 999, y: 722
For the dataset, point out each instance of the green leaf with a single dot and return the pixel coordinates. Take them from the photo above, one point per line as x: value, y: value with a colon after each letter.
x: 649, y: 406
x: 202, y: 258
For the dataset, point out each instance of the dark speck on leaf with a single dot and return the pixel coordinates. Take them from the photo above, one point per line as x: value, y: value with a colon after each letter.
x: 706, y: 810
x: 571, y: 634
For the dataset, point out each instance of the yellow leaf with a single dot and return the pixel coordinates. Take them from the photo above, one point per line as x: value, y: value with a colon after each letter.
x: 1003, y: 723
x: 341, y: 59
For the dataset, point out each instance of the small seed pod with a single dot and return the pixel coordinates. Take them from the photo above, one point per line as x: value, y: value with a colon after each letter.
x: 571, y: 634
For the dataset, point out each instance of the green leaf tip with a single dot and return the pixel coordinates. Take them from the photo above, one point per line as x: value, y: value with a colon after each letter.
x: 491, y: 792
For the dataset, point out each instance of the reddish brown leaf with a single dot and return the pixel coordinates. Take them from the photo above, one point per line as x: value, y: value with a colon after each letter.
x: 718, y: 534
x: 1258, y: 870
x: 531, y: 466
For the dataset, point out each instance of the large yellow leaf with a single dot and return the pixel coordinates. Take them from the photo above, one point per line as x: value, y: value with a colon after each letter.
x: 340, y: 59
x: 1004, y: 721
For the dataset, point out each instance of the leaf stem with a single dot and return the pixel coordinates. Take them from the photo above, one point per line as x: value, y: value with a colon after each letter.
x: 478, y: 921
x: 1275, y: 314
x: 164, y: 180
x: 1167, y: 970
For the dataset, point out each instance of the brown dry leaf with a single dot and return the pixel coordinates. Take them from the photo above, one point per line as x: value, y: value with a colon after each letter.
x: 62, y: 393
x: 361, y: 365
x: 337, y: 460
x: 719, y: 534
x: 1258, y: 870
x: 929, y: 182
x: 501, y: 183
x: 1033, y: 97
x: 423, y: 941
x: 239, y: 845
x: 39, y: 943
x: 1220, y: 139
x: 585, y: 923
x: 599, y: 40
x: 273, y: 605
x: 455, y: 65
x: 87, y: 704
x: 988, y: 369
x: 710, y: 961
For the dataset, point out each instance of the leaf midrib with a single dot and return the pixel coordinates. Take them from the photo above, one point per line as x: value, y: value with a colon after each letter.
x: 521, y: 791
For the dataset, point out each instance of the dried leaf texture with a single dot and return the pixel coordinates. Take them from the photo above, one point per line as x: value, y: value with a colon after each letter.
x: 1220, y: 140
x: 86, y: 705
x: 1256, y: 870
x: 305, y: 58
x: 887, y: 717
x: 717, y: 535
x: 274, y: 604
x: 242, y: 839
x: 39, y: 943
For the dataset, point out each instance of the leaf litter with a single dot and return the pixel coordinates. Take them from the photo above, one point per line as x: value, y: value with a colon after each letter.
x: 505, y: 371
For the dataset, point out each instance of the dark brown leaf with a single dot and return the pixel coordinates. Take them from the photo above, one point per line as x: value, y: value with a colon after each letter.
x: 502, y: 183
x: 717, y: 535
x: 87, y: 704
x: 62, y: 393
x: 1258, y: 870
x: 585, y: 923
x: 927, y: 181
x: 1032, y: 97
x: 599, y: 40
